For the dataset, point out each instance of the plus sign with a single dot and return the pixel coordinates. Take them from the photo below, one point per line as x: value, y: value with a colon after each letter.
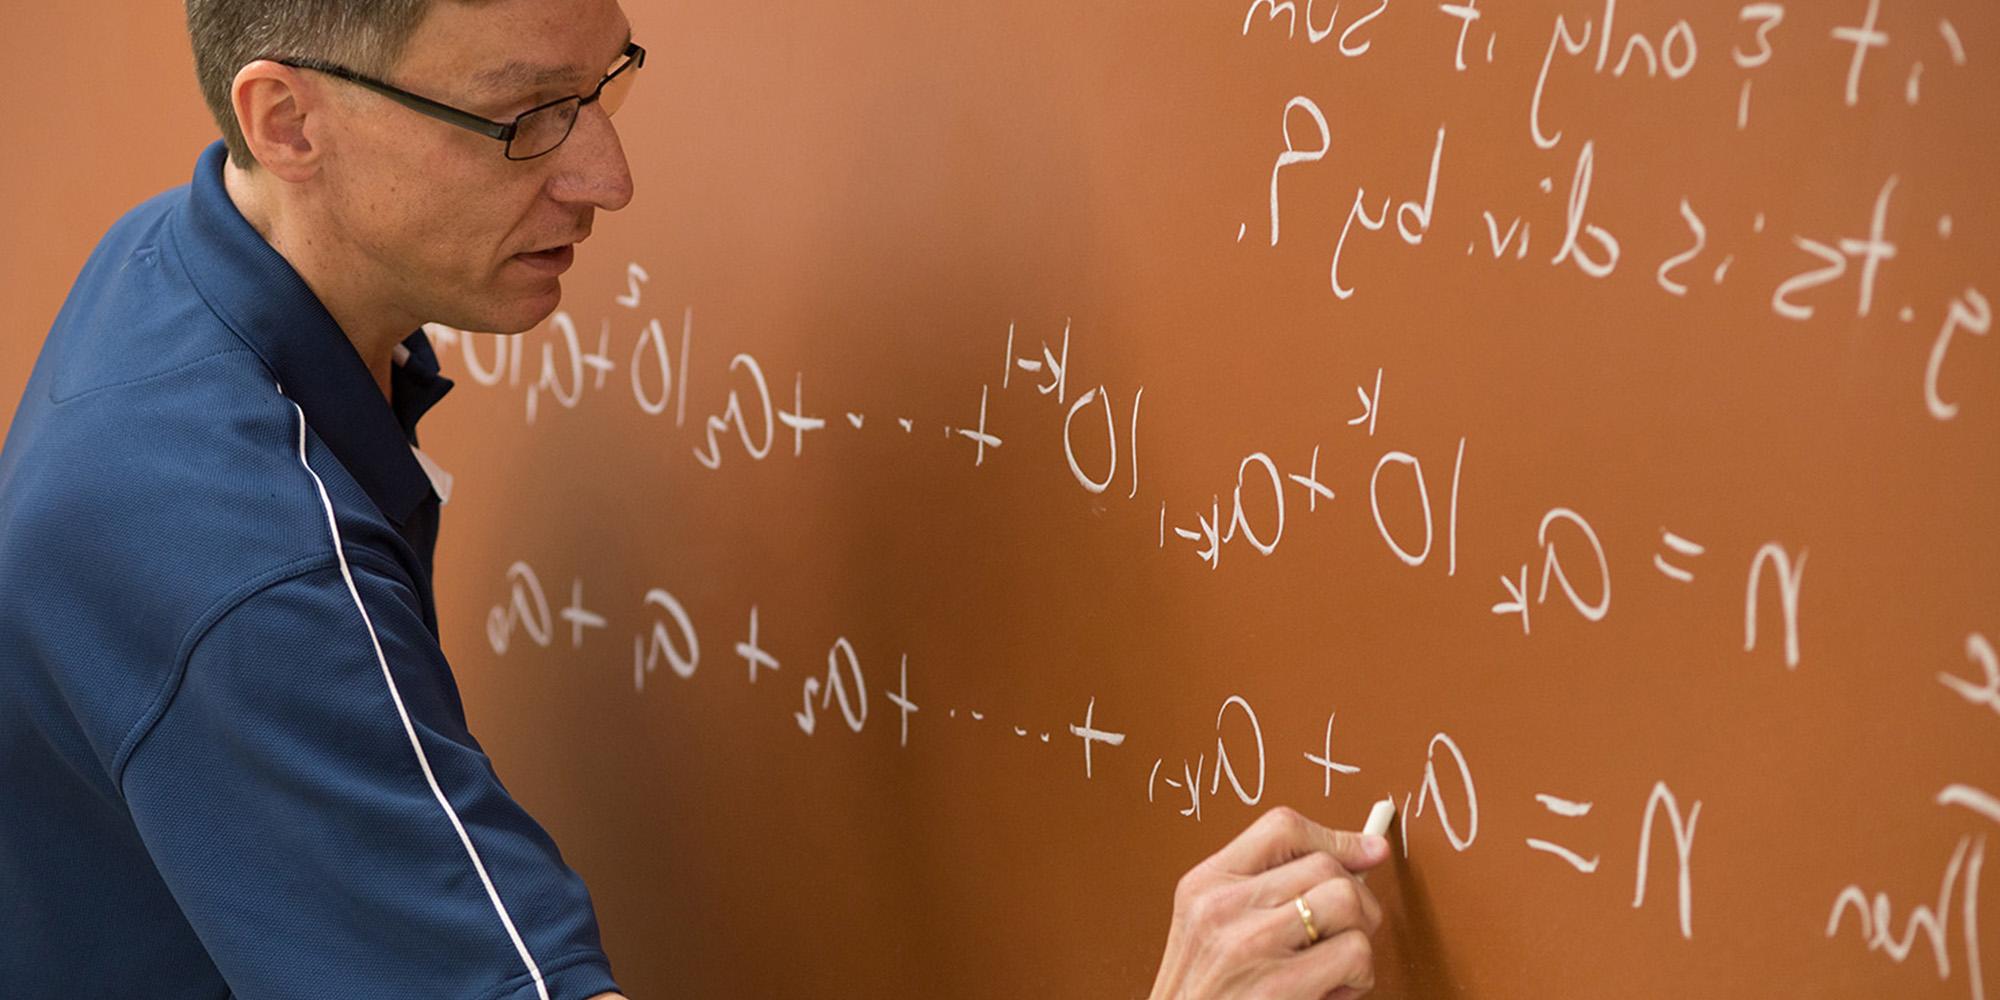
x: 600, y: 362
x: 980, y: 437
x: 750, y: 652
x: 901, y: 699
x: 796, y: 419
x: 578, y: 618
x: 1089, y: 735
x: 1326, y: 762
x: 1314, y: 488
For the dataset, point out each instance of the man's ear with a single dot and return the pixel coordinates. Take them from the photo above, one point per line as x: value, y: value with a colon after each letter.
x: 275, y: 106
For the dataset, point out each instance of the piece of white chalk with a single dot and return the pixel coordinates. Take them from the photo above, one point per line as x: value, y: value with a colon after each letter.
x: 1378, y: 824
x: 1379, y: 817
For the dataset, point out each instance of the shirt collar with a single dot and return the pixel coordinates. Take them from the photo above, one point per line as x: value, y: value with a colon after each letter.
x: 263, y: 300
x: 415, y: 384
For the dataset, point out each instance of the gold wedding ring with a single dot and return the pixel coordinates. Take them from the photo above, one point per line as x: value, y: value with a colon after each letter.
x: 1306, y: 917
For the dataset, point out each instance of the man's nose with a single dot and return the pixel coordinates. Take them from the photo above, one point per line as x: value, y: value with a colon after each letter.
x: 593, y: 170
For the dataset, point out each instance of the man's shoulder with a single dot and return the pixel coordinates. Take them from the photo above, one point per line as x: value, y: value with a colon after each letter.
x: 138, y: 513
x: 155, y: 474
x: 152, y: 470
x: 142, y: 398
x: 166, y: 490
x: 133, y: 313
x: 145, y: 414
x: 184, y: 481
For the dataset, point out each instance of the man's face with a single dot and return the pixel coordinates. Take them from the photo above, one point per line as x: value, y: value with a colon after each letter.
x: 436, y: 223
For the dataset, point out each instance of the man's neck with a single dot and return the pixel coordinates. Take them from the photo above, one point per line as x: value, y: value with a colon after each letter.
x: 374, y: 337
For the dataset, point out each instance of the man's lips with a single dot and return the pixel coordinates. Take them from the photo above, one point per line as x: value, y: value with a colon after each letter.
x: 555, y: 260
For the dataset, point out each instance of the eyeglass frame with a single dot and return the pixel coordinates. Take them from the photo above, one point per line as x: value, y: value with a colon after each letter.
x: 634, y: 57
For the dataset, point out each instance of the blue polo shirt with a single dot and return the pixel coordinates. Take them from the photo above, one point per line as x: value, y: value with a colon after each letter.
x: 233, y: 759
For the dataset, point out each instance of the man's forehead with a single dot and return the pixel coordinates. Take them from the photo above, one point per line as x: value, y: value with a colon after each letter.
x: 529, y: 74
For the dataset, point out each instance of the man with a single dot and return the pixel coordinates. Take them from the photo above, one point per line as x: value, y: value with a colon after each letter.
x: 236, y: 760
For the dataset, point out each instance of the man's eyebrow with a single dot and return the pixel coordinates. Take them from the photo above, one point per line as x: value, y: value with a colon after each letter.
x: 520, y: 75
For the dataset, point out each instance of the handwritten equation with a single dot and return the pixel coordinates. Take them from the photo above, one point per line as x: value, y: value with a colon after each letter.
x: 834, y: 690
x: 1868, y: 260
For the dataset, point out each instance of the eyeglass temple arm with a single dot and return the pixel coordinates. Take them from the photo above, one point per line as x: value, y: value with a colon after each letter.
x: 502, y: 131
x: 635, y: 58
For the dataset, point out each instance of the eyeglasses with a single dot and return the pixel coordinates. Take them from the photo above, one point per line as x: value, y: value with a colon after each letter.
x: 534, y: 132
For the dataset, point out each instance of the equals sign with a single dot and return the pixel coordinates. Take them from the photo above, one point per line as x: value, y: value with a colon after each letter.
x: 1681, y: 546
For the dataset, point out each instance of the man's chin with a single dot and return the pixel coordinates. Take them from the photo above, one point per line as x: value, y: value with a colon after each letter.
x: 522, y: 315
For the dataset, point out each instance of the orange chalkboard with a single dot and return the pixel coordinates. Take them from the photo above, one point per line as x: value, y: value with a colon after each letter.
x: 1005, y: 447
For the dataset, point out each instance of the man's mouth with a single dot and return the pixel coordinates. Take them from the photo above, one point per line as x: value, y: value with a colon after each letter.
x: 554, y: 260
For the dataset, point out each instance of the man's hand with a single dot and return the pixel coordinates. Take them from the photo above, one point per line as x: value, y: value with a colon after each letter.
x: 1238, y: 932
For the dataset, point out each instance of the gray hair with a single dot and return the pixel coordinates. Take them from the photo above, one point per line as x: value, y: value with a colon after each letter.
x: 367, y: 36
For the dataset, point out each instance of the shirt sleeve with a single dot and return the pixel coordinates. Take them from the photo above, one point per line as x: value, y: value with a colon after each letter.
x: 330, y: 827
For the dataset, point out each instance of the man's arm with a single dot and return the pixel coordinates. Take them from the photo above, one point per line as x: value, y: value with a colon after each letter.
x: 313, y: 800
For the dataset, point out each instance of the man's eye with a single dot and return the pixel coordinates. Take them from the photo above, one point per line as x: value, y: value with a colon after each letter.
x: 515, y: 109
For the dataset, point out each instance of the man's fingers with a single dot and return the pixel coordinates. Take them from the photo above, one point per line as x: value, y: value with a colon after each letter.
x: 1282, y: 834
x: 1337, y: 905
x: 1281, y: 904
x: 1278, y: 836
x: 1343, y: 966
x: 1357, y: 852
x: 1343, y: 904
x: 1294, y: 878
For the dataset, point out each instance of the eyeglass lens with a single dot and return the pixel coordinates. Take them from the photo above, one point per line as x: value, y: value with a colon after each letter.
x: 616, y: 89
x: 546, y: 129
